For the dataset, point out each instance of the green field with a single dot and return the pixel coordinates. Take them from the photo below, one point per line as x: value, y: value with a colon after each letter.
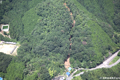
x: 5, y: 27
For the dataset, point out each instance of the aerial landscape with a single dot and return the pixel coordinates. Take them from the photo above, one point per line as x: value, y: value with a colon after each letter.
x: 59, y: 39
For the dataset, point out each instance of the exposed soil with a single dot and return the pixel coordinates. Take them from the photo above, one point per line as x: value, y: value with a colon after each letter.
x: 8, y: 48
x: 5, y: 48
x: 67, y: 61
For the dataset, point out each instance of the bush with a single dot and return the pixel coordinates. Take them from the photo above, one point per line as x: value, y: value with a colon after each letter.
x: 5, y: 33
x: 4, y: 62
x: 119, y: 54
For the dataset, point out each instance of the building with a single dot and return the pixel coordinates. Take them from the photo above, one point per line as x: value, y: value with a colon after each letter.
x: 68, y: 74
x: 1, y: 78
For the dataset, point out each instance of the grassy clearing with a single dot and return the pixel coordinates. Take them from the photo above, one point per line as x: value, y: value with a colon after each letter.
x: 5, y: 27
x: 114, y: 60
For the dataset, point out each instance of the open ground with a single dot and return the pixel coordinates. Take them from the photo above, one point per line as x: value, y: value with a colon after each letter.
x: 9, y: 49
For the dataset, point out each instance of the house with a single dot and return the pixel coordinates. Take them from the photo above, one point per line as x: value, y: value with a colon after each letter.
x: 69, y: 69
x: 1, y: 78
x: 68, y: 74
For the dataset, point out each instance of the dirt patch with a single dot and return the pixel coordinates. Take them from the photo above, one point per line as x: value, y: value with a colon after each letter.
x: 84, y: 43
x: 67, y: 7
x: 67, y: 62
x: 8, y: 48
x: 2, y: 33
x: 74, y: 21
x: 71, y: 14
x: 70, y: 43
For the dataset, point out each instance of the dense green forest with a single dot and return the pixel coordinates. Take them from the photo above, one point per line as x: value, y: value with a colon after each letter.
x: 2, y: 38
x: 43, y: 28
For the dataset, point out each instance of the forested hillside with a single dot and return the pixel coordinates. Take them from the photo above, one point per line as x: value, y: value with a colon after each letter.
x: 44, y: 27
x: 107, y: 10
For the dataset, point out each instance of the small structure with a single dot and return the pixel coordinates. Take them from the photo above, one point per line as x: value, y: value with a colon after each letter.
x: 69, y: 69
x: 1, y: 78
x: 5, y: 29
x: 68, y: 74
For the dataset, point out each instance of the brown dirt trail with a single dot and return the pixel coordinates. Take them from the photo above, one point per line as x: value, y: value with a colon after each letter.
x: 67, y: 62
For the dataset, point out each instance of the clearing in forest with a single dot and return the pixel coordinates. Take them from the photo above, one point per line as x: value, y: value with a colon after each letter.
x: 9, y: 49
x: 67, y: 63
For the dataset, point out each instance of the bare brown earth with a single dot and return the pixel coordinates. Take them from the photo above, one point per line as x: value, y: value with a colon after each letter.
x: 8, y: 48
x: 67, y: 62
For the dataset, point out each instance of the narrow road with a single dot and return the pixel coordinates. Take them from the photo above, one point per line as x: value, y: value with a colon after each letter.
x: 105, y: 64
x: 109, y: 66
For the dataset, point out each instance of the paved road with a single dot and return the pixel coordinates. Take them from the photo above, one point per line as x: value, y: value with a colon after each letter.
x: 105, y: 64
x: 79, y: 74
x: 57, y: 78
x: 109, y: 66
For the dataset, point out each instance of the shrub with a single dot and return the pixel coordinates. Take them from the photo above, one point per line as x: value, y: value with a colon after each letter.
x: 5, y: 33
x: 119, y: 54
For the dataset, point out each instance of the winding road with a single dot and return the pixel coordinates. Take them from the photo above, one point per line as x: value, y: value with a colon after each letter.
x: 105, y: 64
